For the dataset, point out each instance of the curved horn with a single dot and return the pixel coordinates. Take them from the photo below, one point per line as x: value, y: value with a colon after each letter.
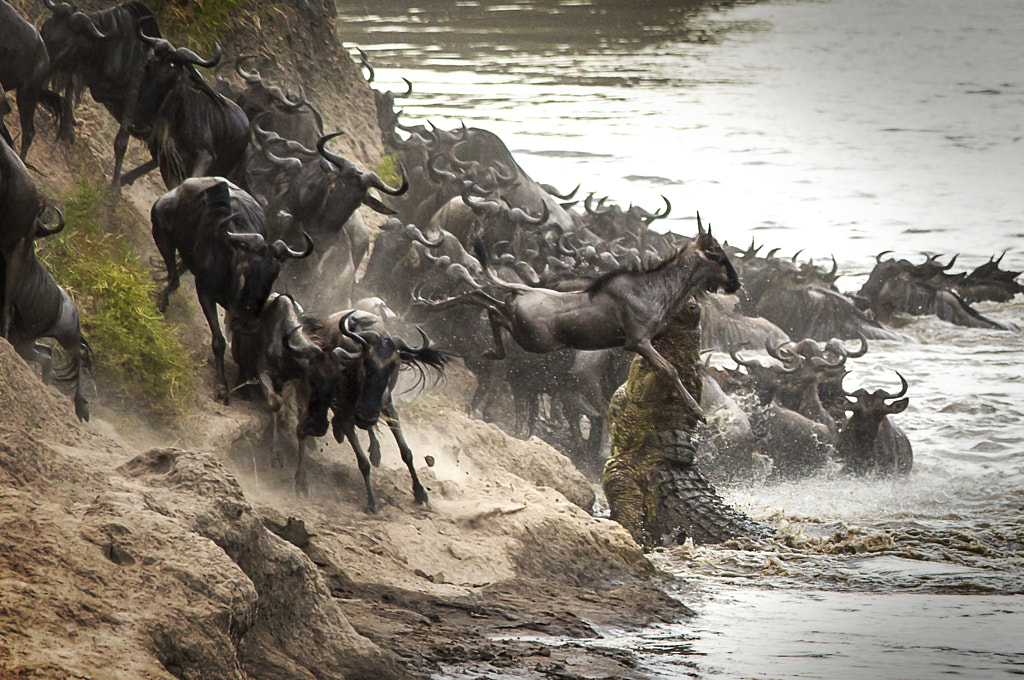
x: 565, y: 197
x: 282, y: 251
x: 749, y: 364
x: 335, y: 159
x: 248, y: 241
x: 364, y: 62
x: 591, y: 209
x: 700, y: 227
x: 521, y: 216
x: 370, y: 179
x: 347, y: 332
x: 901, y: 392
x: 950, y: 265
x: 288, y: 163
x: 249, y: 78
x: 408, y: 90
x: 83, y: 23
x: 796, y: 255
x: 404, y: 346
x: 413, y: 232
x: 878, y: 258
x: 187, y: 56
x: 42, y: 231
x: 835, y: 268
x: 837, y: 347
x: 777, y: 351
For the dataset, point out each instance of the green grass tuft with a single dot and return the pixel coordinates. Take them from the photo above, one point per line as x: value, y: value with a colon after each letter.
x: 389, y: 170
x: 115, y: 294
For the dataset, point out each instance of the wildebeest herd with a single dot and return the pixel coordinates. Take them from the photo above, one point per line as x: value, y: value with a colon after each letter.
x: 473, y: 249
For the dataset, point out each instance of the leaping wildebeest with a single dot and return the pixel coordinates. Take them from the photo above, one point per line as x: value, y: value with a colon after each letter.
x: 218, y: 230
x: 623, y: 308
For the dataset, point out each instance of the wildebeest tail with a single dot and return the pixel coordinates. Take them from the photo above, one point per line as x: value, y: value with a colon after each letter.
x: 54, y: 105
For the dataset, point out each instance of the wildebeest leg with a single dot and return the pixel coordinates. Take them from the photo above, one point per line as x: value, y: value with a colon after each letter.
x: 165, y: 244
x: 497, y: 320
x: 218, y: 343
x: 14, y: 266
x: 301, y: 485
x: 144, y: 169
x: 374, y: 448
x: 68, y: 333
x: 645, y: 349
x: 391, y: 416
x: 274, y: 403
x: 349, y: 431
x: 28, y: 100
x: 121, y: 138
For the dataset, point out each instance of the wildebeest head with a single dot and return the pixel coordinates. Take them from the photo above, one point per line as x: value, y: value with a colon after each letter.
x: 872, y: 406
x: 352, y: 186
x: 723, y: 277
x: 256, y: 265
x: 69, y: 32
x: 374, y: 366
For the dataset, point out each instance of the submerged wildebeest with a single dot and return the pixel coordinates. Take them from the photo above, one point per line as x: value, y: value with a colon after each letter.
x: 868, y: 441
x: 355, y: 380
x: 621, y: 309
x: 25, y: 66
x: 218, y: 230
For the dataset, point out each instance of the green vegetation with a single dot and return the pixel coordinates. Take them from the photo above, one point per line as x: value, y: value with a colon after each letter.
x: 115, y: 292
x: 198, y: 23
x: 389, y: 170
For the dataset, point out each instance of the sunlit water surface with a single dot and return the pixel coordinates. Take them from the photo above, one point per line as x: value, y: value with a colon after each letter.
x: 842, y: 127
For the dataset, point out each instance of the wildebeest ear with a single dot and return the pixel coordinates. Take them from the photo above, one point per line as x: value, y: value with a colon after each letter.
x: 897, y: 406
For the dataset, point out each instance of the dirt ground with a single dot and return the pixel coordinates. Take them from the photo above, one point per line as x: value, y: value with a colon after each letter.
x: 130, y: 549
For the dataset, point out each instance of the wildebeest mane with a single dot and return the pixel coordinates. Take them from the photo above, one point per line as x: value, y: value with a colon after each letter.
x: 601, y: 281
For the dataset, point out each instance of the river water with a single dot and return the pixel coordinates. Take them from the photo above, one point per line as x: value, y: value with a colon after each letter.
x: 843, y: 127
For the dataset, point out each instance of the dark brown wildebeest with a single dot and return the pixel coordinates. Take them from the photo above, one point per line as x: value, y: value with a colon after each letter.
x: 218, y: 230
x: 25, y: 67
x: 20, y: 224
x: 359, y: 390
x: 43, y: 309
x: 103, y: 52
x: 868, y: 441
x: 620, y: 309
x: 191, y: 130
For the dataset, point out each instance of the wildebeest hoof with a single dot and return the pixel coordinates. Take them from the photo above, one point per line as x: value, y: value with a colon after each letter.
x: 420, y: 495
x: 372, y: 508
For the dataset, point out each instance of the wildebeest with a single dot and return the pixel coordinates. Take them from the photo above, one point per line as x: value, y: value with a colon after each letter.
x: 218, y: 230
x: 322, y: 197
x: 25, y: 67
x: 293, y: 119
x: 43, y: 309
x: 20, y: 223
x: 191, y: 130
x: 369, y: 359
x: 621, y: 309
x: 287, y: 354
x: 103, y: 52
x: 898, y: 286
x: 868, y: 441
